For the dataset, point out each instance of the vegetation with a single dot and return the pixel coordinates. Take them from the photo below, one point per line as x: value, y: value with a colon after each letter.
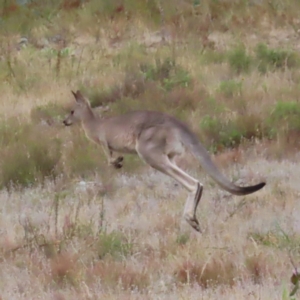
x: 73, y: 226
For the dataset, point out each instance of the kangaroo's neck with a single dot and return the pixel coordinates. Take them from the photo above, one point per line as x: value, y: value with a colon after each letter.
x: 88, y: 116
x: 89, y: 124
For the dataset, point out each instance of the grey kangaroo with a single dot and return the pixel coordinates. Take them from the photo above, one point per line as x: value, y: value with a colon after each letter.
x: 157, y: 138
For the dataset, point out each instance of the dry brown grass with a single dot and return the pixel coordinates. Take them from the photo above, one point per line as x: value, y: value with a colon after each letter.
x: 149, y: 250
x: 71, y: 228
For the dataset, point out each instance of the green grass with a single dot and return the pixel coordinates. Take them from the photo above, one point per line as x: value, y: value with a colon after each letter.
x: 238, y: 59
x: 113, y: 244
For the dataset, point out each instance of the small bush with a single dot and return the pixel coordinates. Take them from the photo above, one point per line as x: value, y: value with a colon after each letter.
x: 210, y: 127
x: 285, y: 116
x: 113, y: 244
x: 276, y: 238
x: 132, y: 86
x: 212, y: 56
x: 82, y: 157
x: 28, y: 155
x: 50, y: 113
x: 182, y: 101
x: 270, y: 239
x: 258, y: 266
x: 230, y: 88
x: 124, y: 275
x: 215, y: 272
x: 182, y: 239
x: 132, y: 92
x: 64, y: 269
x: 272, y: 59
x: 219, y: 134
x: 239, y: 61
x: 212, y: 106
x: 167, y: 73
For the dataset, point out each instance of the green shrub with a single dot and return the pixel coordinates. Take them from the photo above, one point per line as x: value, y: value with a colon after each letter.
x: 10, y: 131
x: 286, y: 110
x: 132, y: 86
x: 239, y: 61
x: 113, y: 244
x: 133, y: 90
x: 230, y: 88
x: 82, y: 157
x: 213, y: 56
x: 285, y: 116
x: 182, y: 239
x: 30, y: 152
x: 28, y: 155
x: 50, y: 113
x: 212, y: 106
x: 167, y: 73
x: 276, y: 238
x: 272, y: 59
x: 220, y: 133
x: 211, y: 127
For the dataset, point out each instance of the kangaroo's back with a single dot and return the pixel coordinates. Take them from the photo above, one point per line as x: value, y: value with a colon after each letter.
x: 121, y: 132
x: 137, y: 121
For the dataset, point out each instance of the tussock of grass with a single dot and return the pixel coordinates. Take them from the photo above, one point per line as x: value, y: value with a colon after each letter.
x: 167, y: 73
x: 272, y: 59
x: 215, y: 272
x: 121, y: 275
x: 28, y: 156
x: 63, y: 270
x: 239, y: 60
x: 113, y: 244
x: 132, y: 86
x: 51, y: 114
x: 286, y: 115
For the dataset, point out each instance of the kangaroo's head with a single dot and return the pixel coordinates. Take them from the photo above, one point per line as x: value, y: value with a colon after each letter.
x: 80, y: 111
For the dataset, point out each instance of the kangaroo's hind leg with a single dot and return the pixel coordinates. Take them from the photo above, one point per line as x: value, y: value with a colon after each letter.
x: 195, y: 189
x: 152, y: 153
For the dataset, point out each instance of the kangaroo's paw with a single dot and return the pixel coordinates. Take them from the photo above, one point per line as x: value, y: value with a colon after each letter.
x: 119, y: 159
x: 118, y: 165
x: 118, y: 162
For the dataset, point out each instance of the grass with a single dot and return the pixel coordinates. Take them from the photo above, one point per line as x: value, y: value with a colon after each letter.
x: 238, y: 59
x: 73, y: 227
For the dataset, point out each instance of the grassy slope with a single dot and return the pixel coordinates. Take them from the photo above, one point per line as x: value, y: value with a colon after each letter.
x: 99, y: 233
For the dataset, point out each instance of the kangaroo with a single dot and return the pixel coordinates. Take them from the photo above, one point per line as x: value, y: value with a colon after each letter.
x: 157, y: 138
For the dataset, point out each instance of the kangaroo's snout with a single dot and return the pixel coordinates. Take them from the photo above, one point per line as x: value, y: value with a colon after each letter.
x: 67, y: 122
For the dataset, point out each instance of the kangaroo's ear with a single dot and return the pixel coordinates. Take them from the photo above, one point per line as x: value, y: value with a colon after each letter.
x: 79, y: 97
x: 74, y: 94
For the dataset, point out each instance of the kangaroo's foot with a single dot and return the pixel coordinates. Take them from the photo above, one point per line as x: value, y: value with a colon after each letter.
x: 118, y: 162
x: 193, y: 222
x: 191, y: 208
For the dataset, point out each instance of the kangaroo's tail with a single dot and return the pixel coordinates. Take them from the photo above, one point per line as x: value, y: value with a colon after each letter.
x: 192, y: 143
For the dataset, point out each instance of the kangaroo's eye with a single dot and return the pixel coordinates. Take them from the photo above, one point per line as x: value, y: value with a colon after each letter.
x: 72, y: 112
